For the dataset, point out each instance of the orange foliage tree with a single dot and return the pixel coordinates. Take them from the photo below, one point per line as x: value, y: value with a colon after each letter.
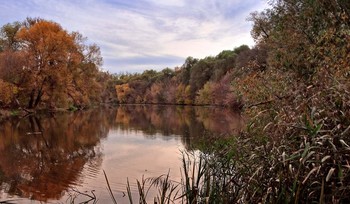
x: 47, y: 48
x: 50, y: 66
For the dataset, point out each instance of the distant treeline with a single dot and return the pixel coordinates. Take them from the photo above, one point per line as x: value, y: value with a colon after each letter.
x: 198, y: 81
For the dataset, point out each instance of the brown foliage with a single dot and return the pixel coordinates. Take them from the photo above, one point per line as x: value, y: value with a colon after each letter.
x: 7, y: 94
x: 123, y: 92
x: 51, y: 67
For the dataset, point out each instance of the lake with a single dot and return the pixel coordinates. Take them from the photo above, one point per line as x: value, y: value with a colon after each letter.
x: 60, y: 157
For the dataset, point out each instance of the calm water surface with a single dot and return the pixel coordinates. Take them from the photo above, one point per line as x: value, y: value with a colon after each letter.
x: 50, y: 158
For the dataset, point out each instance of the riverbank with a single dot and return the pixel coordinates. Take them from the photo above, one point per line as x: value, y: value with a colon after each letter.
x: 20, y: 112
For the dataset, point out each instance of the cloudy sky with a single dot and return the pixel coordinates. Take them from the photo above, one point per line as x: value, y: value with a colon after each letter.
x: 135, y: 35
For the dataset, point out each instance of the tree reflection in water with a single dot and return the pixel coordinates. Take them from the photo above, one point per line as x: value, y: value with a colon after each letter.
x: 43, y: 157
x: 193, y: 124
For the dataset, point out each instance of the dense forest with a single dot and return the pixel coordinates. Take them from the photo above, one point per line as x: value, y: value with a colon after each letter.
x: 198, y: 81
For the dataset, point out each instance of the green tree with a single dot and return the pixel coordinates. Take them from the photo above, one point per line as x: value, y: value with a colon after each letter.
x: 201, y: 72
x: 185, y: 71
x: 224, y: 62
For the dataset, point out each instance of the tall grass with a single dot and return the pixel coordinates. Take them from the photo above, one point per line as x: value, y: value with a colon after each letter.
x: 312, y: 169
x: 167, y: 190
x: 206, y: 178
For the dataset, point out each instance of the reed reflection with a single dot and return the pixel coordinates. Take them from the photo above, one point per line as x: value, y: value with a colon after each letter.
x: 42, y: 156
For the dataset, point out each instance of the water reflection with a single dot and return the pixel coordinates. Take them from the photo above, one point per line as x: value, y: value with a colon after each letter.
x: 44, y: 156
x: 41, y: 156
x: 191, y: 123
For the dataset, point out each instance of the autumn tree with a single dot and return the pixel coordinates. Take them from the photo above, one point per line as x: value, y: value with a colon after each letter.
x: 180, y: 94
x: 205, y: 95
x: 47, y: 49
x: 8, y: 92
x: 155, y: 94
x: 108, y: 82
x: 170, y: 87
x: 123, y: 93
x: 11, y: 63
x: 48, y: 65
x: 85, y: 87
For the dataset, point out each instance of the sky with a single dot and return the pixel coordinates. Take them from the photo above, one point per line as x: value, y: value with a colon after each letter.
x: 135, y: 35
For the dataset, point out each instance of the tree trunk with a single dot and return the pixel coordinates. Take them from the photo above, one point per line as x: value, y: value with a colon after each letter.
x: 31, y: 101
x: 38, y: 98
x: 40, y: 93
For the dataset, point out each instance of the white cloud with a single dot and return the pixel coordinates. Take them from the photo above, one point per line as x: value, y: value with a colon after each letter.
x: 176, y: 3
x: 127, y: 30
